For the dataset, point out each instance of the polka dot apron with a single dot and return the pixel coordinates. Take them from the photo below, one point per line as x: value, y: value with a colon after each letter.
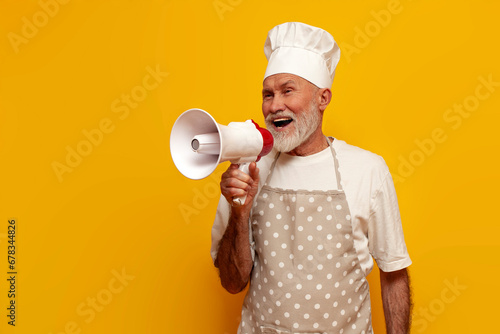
x: 306, y: 276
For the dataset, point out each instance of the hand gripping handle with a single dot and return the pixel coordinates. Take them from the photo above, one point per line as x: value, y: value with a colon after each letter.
x: 241, y: 199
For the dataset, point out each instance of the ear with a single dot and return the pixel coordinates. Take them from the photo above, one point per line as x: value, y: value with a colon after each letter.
x: 324, y: 96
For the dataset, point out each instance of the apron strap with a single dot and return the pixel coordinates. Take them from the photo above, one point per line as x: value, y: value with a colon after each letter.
x: 336, y: 163
x: 271, y: 169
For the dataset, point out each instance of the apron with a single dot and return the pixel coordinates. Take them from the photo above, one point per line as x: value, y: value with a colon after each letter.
x: 306, y: 276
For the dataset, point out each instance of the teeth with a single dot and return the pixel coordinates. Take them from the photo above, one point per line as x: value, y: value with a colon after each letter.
x: 281, y: 122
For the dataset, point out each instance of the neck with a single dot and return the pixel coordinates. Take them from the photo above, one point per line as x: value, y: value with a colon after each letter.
x: 314, y: 144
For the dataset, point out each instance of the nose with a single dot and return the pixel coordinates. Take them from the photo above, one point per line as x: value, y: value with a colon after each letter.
x: 277, y: 104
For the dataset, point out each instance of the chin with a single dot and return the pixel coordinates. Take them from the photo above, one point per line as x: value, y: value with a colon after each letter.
x: 286, y: 144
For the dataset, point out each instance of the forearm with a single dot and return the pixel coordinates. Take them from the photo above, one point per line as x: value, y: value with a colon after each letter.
x: 234, y: 258
x: 396, y: 299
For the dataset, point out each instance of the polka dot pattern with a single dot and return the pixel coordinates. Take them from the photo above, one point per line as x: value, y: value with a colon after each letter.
x: 306, y: 273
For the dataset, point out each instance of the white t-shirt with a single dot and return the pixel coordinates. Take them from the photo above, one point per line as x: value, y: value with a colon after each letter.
x: 370, y: 193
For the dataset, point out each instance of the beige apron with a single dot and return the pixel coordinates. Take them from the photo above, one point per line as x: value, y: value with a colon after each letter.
x: 306, y: 276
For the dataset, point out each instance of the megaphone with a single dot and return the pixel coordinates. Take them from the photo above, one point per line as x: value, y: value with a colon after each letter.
x: 198, y: 144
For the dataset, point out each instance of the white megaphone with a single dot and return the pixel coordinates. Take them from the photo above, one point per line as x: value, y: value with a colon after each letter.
x: 198, y: 144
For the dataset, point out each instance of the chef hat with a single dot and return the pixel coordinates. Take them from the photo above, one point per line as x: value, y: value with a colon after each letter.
x: 303, y: 50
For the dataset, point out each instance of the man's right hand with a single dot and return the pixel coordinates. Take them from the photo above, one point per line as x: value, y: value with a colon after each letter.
x: 234, y: 258
x: 235, y: 183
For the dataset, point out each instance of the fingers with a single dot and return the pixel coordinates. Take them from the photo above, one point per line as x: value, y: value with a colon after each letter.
x: 235, y: 183
x: 234, y: 187
x: 235, y: 177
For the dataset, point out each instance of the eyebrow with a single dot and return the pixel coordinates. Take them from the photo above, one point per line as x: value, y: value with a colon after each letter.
x: 289, y: 82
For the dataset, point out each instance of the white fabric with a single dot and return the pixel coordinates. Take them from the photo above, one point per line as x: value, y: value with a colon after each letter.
x: 370, y: 193
x: 303, y: 50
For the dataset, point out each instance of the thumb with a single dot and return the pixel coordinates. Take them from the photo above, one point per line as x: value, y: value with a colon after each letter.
x: 254, y: 172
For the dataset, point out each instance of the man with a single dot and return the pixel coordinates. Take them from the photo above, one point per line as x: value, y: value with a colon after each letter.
x: 317, y: 209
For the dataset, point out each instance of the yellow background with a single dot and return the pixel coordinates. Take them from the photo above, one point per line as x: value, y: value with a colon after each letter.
x: 125, y: 207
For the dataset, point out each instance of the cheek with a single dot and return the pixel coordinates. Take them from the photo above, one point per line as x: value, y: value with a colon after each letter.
x: 265, y: 109
x: 295, y: 105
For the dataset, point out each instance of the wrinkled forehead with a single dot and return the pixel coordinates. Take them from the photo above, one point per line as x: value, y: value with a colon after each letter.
x: 276, y: 81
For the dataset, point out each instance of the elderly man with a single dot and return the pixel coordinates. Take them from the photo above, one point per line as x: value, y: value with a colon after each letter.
x: 317, y: 209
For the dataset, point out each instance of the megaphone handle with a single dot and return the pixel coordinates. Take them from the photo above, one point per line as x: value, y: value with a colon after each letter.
x: 241, y: 200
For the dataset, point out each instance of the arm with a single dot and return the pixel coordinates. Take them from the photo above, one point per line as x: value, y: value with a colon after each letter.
x: 396, y: 298
x: 234, y: 258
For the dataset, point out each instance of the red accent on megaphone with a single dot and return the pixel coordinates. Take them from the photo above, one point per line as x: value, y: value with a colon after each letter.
x: 267, y: 139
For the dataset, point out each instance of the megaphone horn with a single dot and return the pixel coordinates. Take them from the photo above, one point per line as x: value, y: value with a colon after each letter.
x: 198, y: 144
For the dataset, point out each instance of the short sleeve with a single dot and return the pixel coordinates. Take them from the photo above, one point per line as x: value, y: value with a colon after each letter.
x: 220, y: 224
x: 219, y: 227
x: 385, y: 231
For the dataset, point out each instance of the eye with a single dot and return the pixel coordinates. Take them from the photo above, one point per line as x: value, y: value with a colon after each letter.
x: 288, y: 90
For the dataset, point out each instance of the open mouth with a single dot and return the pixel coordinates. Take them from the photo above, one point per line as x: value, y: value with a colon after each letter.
x: 282, y: 122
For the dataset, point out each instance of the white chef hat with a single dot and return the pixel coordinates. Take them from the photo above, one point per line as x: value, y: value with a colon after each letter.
x: 303, y: 50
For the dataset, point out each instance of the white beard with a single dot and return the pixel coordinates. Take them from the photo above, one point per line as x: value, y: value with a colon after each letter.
x: 304, y: 126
